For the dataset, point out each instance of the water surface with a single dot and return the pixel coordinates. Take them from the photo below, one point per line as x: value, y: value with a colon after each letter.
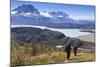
x: 67, y: 32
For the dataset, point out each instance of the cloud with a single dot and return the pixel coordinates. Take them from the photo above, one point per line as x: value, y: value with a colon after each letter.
x: 46, y: 14
x: 83, y: 17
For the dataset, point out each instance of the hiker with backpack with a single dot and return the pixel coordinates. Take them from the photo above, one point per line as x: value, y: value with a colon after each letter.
x: 75, y: 43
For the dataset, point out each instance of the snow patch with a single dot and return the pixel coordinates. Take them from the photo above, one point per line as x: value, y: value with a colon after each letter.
x: 13, y: 12
x: 46, y: 14
x: 59, y: 46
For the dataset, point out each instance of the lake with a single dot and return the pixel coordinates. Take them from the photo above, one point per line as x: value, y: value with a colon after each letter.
x: 67, y: 32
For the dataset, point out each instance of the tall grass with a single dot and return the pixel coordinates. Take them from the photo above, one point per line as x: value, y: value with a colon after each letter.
x: 22, y: 55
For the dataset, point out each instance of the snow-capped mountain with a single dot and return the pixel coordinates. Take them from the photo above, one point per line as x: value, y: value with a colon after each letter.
x: 26, y: 9
x: 29, y: 15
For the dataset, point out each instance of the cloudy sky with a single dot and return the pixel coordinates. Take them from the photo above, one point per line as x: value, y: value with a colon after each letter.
x: 83, y: 12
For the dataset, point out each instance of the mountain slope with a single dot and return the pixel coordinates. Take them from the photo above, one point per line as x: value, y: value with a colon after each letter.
x: 26, y: 9
x: 28, y: 34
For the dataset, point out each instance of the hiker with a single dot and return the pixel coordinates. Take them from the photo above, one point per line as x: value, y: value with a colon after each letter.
x: 75, y: 43
x: 68, y: 50
x: 76, y: 46
x: 75, y: 51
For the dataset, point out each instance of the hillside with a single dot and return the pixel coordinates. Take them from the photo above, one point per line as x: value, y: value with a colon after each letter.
x: 48, y: 37
x: 23, y: 53
x: 32, y: 46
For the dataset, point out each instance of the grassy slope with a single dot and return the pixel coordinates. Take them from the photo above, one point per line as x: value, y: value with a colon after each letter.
x: 22, y: 55
x: 60, y: 57
x: 56, y: 57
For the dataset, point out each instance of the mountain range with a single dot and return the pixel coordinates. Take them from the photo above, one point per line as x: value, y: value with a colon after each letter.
x: 26, y: 14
